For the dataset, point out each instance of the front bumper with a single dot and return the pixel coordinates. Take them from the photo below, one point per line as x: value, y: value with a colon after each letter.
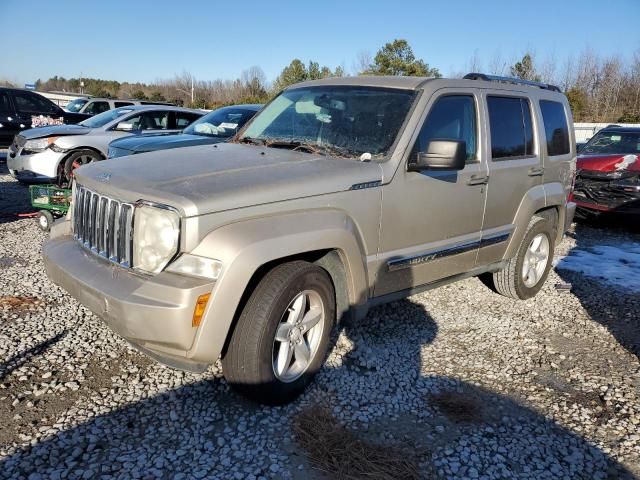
x: 41, y: 166
x: 598, y: 193
x: 154, y: 313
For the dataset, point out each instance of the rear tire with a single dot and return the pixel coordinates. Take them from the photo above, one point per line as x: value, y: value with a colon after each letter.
x: 525, y: 273
x: 282, y: 335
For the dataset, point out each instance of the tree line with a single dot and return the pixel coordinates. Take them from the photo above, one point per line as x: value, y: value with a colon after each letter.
x: 599, y: 89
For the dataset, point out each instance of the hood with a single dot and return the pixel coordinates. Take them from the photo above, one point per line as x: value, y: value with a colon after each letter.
x: 151, y: 143
x: 608, y: 163
x: 54, y: 131
x: 213, y: 178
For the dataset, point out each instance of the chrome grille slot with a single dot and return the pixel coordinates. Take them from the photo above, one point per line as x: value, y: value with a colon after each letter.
x: 103, y: 225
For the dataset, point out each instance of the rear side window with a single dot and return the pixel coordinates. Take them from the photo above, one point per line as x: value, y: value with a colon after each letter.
x: 452, y: 117
x: 511, y: 128
x: 555, y: 127
x: 4, y: 102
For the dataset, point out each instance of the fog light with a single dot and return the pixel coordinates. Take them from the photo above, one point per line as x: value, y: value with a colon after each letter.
x: 198, y: 312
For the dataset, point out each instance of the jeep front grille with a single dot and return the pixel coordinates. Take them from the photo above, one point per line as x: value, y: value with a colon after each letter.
x: 103, y: 225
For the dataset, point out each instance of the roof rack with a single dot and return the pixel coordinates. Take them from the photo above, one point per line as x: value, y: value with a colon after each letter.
x: 517, y: 81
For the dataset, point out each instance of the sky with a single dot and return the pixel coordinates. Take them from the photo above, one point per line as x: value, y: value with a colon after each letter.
x: 140, y: 40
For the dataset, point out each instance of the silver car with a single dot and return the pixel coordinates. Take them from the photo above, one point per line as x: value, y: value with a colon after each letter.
x: 49, y: 154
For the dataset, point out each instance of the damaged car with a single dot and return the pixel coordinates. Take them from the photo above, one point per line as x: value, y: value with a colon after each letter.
x: 608, y: 173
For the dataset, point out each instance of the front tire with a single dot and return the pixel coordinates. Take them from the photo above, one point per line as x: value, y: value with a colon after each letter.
x: 76, y: 160
x: 282, y: 335
x: 525, y: 274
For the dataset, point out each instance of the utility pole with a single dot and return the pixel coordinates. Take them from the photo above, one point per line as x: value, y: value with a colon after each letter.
x: 192, y: 90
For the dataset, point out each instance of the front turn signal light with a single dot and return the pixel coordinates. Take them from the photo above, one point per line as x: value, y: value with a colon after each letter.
x: 198, y: 312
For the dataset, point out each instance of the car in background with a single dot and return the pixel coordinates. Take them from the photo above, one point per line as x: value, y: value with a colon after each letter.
x: 90, y: 106
x: 608, y: 173
x: 217, y: 126
x: 23, y: 109
x: 51, y: 154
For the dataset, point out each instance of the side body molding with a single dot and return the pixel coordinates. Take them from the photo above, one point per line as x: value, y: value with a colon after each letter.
x: 245, y: 246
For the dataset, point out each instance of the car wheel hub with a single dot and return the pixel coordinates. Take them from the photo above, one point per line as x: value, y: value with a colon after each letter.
x: 535, y: 260
x: 298, y: 336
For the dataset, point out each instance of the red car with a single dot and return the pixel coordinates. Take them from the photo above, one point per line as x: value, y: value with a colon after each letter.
x: 608, y: 172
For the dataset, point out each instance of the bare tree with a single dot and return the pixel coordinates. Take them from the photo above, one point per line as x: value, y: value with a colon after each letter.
x: 362, y: 63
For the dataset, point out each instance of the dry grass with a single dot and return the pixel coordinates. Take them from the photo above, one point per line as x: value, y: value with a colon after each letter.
x: 458, y: 407
x: 19, y: 304
x: 335, y: 450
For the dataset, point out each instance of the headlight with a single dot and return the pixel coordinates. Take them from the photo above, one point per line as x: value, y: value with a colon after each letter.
x: 155, y: 237
x: 196, y: 266
x: 39, y: 144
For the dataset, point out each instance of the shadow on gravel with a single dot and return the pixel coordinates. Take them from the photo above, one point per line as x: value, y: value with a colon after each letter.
x: 25, y: 356
x: 155, y: 437
x: 14, y: 197
x: 614, y: 307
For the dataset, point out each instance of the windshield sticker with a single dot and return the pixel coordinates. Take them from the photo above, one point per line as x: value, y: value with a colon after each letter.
x: 616, y: 138
x: 228, y: 125
x: 42, y: 121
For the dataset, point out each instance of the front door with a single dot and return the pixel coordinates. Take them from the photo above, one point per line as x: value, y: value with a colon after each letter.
x: 432, y: 220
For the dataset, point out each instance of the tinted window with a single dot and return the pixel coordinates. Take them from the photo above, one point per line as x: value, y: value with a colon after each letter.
x: 511, y: 128
x: 451, y: 118
x: 184, y: 119
x: 33, y: 103
x: 4, y: 102
x: 122, y: 104
x: 96, y: 107
x: 555, y: 127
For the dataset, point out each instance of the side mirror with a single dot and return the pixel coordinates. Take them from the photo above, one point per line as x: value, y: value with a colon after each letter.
x: 441, y: 155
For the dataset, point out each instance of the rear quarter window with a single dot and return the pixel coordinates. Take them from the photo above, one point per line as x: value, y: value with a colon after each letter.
x: 555, y: 127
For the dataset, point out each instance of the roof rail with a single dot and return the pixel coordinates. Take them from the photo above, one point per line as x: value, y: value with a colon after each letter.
x: 518, y: 81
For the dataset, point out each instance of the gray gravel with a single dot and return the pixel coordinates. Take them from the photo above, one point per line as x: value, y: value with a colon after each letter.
x: 468, y: 383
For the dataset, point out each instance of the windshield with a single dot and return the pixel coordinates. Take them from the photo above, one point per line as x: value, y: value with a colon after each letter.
x: 613, y: 142
x: 76, y: 105
x: 224, y: 122
x: 344, y: 121
x: 103, y: 118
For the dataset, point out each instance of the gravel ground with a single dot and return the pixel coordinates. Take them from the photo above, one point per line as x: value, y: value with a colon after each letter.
x: 459, y: 381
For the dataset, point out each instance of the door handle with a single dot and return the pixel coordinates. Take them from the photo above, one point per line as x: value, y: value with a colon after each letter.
x: 478, y: 180
x: 535, y: 171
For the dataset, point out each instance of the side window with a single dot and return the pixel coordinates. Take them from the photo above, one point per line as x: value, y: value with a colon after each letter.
x: 184, y: 119
x: 96, y: 107
x: 555, y: 127
x: 122, y: 104
x: 32, y: 103
x: 154, y: 120
x: 452, y: 117
x: 4, y: 102
x: 511, y: 128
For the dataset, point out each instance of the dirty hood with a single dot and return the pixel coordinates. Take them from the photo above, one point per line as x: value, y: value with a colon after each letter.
x: 609, y: 163
x: 212, y: 178
x: 54, y: 131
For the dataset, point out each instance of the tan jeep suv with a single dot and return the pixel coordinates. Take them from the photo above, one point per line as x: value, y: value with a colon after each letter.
x: 340, y: 194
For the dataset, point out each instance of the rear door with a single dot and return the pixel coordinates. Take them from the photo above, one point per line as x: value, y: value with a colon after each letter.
x: 9, y: 124
x: 515, y: 167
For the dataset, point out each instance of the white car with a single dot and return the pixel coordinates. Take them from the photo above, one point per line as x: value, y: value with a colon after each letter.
x: 49, y: 154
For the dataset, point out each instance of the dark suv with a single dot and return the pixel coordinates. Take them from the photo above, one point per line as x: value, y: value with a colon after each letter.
x: 22, y: 109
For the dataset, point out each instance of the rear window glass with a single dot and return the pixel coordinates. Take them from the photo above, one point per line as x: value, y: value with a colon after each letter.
x: 555, y: 127
x: 511, y: 128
